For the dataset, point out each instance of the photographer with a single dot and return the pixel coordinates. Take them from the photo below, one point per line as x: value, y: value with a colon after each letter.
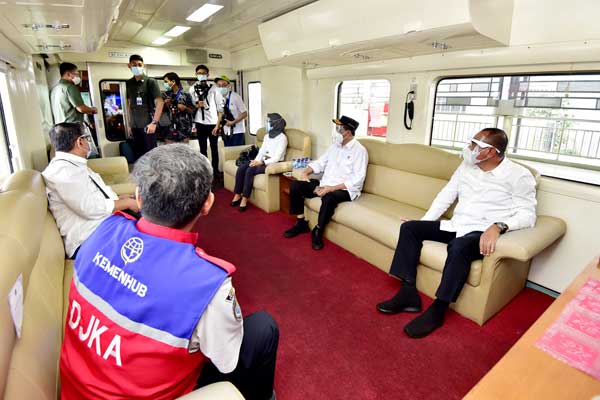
x: 209, y: 103
x: 234, y: 113
x: 180, y: 109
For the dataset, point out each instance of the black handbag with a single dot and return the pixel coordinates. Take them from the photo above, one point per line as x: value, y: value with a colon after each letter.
x: 247, y: 155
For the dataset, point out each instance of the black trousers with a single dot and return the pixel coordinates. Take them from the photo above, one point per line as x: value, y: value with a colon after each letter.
x: 204, y: 134
x: 244, y: 178
x: 142, y: 142
x: 461, y: 252
x: 255, y: 371
x: 300, y: 190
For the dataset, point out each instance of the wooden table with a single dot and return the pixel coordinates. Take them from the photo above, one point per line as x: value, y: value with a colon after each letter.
x: 526, y: 372
x: 284, y: 193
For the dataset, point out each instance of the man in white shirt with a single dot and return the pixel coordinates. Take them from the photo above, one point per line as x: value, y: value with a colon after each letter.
x: 78, y: 197
x: 234, y: 113
x: 494, y: 195
x: 344, y: 167
x: 209, y: 103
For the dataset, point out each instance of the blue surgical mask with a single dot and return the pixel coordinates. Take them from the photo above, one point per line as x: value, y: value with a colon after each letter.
x: 167, y: 86
x: 224, y: 91
x: 202, y: 77
x: 269, y: 126
x: 137, y: 71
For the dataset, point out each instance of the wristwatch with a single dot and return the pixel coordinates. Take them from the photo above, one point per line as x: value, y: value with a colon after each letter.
x: 503, y: 227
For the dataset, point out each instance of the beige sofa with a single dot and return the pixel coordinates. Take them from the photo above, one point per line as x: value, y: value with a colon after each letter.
x: 402, y: 181
x: 30, y: 244
x: 265, y: 194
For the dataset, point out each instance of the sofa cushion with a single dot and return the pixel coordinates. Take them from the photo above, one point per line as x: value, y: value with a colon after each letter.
x: 380, y: 220
x: 260, y: 181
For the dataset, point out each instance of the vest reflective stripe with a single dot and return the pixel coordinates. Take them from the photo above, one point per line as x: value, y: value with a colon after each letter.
x: 136, y: 327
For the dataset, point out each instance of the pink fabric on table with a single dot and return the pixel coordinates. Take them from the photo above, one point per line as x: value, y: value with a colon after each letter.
x: 574, y: 337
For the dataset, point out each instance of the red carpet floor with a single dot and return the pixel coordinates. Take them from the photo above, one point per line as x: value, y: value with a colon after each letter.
x: 334, y: 344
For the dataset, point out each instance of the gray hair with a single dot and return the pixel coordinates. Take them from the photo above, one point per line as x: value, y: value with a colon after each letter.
x: 64, y: 135
x: 174, y: 182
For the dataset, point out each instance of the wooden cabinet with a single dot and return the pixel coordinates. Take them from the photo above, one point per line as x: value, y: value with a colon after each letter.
x: 284, y: 193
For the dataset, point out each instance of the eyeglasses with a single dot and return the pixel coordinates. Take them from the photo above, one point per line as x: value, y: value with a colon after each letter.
x: 483, y: 145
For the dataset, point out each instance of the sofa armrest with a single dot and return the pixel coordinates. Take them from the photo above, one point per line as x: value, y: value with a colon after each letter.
x: 215, y: 391
x: 111, y: 169
x: 278, y: 168
x: 524, y: 244
x: 233, y: 152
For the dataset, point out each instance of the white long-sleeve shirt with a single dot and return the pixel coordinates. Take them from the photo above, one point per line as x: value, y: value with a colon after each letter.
x: 343, y: 164
x: 77, y: 203
x: 272, y: 149
x: 504, y: 194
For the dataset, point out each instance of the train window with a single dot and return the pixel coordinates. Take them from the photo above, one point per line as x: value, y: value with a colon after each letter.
x: 255, y: 107
x: 368, y: 102
x: 552, y: 121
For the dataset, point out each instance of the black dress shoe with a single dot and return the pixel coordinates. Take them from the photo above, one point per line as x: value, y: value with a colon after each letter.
x: 425, y: 323
x: 301, y: 226
x: 406, y: 300
x: 317, y: 238
x: 243, y: 208
x: 236, y: 203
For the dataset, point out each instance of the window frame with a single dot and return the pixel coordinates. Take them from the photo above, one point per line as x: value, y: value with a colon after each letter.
x: 584, y: 167
x: 249, y: 113
x: 338, y: 102
x: 6, y: 138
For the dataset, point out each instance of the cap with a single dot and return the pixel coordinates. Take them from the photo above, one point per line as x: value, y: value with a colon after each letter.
x: 222, y: 78
x: 343, y: 120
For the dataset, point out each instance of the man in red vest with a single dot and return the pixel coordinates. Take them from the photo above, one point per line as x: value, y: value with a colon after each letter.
x: 151, y: 315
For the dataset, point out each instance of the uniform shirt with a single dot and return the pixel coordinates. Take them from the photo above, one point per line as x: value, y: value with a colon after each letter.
x: 77, y: 203
x: 141, y: 96
x: 212, y: 105
x: 272, y: 149
x: 343, y: 164
x: 220, y: 331
x: 504, y: 194
x: 237, y: 106
x: 64, y: 100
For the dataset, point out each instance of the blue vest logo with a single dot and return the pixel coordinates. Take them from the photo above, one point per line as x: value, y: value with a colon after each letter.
x: 132, y: 250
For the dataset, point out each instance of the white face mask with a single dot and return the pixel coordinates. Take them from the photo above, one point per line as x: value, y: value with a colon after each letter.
x: 202, y: 77
x: 92, y: 150
x: 470, y: 156
x: 224, y: 91
x: 337, y: 138
x: 76, y: 80
x: 137, y: 71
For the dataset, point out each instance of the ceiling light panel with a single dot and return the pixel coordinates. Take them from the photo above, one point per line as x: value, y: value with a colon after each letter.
x: 176, y: 31
x: 161, y: 40
x: 204, y: 12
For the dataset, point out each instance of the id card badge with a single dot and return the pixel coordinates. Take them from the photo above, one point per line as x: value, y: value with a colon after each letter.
x: 138, y: 101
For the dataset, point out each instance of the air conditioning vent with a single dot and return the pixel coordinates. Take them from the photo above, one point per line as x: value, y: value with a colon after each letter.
x: 196, y: 56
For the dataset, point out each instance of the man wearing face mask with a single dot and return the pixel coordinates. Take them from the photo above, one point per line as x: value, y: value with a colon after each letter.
x: 65, y: 98
x: 272, y: 151
x: 179, y: 110
x: 344, y: 167
x: 78, y: 197
x: 494, y: 196
x: 234, y: 113
x: 209, y: 103
x: 144, y: 104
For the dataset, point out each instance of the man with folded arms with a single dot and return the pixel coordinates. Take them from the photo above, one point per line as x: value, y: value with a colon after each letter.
x: 494, y: 195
